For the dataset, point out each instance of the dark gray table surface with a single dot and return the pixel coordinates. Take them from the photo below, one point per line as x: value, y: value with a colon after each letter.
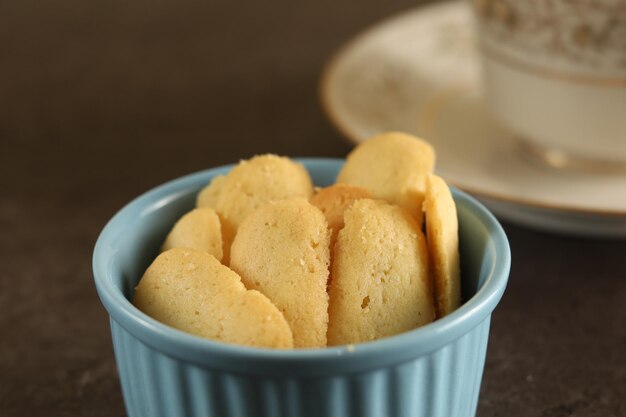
x: 102, y: 100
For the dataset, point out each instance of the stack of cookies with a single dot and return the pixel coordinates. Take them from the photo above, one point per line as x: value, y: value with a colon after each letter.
x: 267, y: 260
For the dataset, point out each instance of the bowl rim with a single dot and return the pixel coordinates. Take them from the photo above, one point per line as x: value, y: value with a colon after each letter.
x: 351, y: 358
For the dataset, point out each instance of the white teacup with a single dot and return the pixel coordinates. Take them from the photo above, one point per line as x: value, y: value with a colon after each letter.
x: 555, y: 75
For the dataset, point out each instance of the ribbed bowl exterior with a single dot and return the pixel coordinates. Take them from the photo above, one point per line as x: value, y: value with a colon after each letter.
x: 444, y: 383
x: 433, y: 371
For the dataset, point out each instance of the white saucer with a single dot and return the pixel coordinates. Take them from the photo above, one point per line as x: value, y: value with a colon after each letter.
x: 418, y: 72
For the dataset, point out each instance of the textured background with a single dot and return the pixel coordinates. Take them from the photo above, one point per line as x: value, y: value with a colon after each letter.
x: 101, y: 100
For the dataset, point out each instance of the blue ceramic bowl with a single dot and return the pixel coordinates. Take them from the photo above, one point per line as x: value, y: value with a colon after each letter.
x: 433, y: 371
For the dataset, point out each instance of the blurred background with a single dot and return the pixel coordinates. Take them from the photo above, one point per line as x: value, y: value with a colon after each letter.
x: 173, y: 79
x: 102, y: 100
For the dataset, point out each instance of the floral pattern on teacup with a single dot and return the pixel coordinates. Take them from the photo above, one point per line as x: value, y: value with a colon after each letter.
x: 585, y: 34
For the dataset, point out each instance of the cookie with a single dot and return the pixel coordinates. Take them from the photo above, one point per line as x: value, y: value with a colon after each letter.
x: 199, y: 229
x: 442, y: 233
x: 282, y: 250
x: 333, y: 201
x: 193, y: 292
x: 393, y: 167
x: 208, y: 196
x: 379, y: 280
x: 255, y: 182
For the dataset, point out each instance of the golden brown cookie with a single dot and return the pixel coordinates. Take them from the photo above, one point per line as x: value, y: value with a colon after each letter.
x: 334, y: 201
x: 255, y: 182
x: 199, y: 229
x: 208, y: 196
x: 392, y: 166
x: 442, y: 232
x: 191, y: 291
x: 379, y: 282
x: 282, y: 250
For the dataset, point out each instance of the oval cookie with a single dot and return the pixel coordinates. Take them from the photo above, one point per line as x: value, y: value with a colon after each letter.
x: 255, y: 182
x: 191, y: 291
x: 199, y: 229
x: 393, y: 167
x: 442, y: 233
x: 379, y: 282
x: 282, y: 250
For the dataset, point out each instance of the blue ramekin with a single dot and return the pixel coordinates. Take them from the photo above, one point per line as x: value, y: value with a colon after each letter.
x: 433, y: 371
